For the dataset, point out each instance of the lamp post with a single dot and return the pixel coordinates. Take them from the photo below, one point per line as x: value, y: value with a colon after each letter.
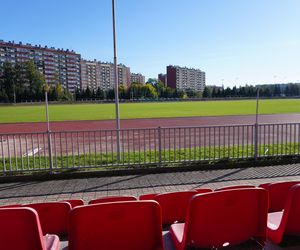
x: 116, y: 82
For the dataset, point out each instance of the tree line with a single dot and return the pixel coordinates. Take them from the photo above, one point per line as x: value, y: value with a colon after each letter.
x: 24, y: 82
x: 267, y: 90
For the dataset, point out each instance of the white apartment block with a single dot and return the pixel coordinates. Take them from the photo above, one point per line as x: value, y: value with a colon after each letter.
x: 137, y: 78
x: 95, y: 74
x: 183, y: 78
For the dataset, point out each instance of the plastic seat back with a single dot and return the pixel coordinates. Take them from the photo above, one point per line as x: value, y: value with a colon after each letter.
x: 20, y: 229
x: 292, y: 208
x: 174, y: 205
x: 226, y: 218
x: 75, y: 203
x: 11, y: 206
x: 129, y: 225
x: 112, y: 199
x: 147, y: 196
x: 203, y: 190
x: 53, y: 216
x: 278, y: 193
x: 234, y: 187
x: 265, y: 185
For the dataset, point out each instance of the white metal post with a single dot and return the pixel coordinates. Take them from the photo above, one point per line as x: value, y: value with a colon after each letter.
x: 48, y: 133
x: 116, y: 82
x: 256, y: 126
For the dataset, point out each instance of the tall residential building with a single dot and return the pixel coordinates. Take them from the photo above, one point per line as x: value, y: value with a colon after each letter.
x: 137, y: 78
x: 55, y: 64
x: 162, y: 78
x: 183, y: 78
x: 95, y: 74
x: 90, y: 74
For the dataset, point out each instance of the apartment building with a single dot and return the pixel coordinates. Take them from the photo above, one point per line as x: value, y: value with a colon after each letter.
x: 183, y: 78
x: 96, y: 74
x: 162, y: 78
x: 137, y: 77
x: 90, y: 74
x: 55, y: 64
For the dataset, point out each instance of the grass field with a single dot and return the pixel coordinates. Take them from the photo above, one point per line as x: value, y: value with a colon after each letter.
x: 67, y: 112
x: 105, y: 161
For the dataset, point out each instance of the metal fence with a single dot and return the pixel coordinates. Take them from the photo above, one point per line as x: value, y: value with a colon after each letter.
x: 54, y: 151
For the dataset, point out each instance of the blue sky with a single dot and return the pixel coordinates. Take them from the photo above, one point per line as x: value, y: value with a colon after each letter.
x: 233, y: 41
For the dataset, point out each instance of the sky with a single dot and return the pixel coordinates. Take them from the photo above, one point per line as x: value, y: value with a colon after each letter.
x: 236, y: 42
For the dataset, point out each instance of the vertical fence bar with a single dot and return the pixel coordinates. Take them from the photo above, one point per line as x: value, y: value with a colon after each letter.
x: 50, y: 150
x: 15, y: 153
x: 255, y: 140
x: 3, y: 155
x: 159, y: 146
x: 21, y: 154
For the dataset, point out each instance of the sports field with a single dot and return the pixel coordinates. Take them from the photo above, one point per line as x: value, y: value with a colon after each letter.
x: 36, y: 113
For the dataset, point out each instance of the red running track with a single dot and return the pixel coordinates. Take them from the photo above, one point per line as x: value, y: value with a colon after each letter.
x: 147, y: 123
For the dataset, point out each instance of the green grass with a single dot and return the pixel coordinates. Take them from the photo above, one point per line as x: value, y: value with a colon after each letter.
x: 67, y: 112
x: 106, y: 161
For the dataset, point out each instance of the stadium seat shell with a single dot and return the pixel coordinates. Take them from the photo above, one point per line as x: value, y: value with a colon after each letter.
x: 147, y: 196
x: 174, y: 205
x: 20, y: 229
x: 286, y: 221
x: 53, y: 216
x: 278, y: 193
x: 203, y: 190
x: 129, y: 225
x: 112, y: 199
x: 75, y: 203
x: 11, y: 206
x: 234, y: 187
x: 264, y: 185
x: 223, y: 218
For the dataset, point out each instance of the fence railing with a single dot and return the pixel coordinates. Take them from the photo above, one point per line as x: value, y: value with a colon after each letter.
x: 54, y: 151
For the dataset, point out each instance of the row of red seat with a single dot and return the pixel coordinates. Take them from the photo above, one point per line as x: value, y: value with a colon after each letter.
x: 199, y: 218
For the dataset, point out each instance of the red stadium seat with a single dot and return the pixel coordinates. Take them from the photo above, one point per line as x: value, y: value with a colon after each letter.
x: 223, y: 218
x: 264, y: 185
x: 147, y: 196
x: 278, y: 193
x: 53, y: 216
x: 203, y: 190
x: 234, y: 187
x: 20, y: 229
x: 129, y: 225
x: 112, y: 199
x: 75, y: 203
x: 174, y: 205
x: 288, y: 220
x: 11, y: 206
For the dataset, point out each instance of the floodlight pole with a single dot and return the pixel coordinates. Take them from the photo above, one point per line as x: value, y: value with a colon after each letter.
x: 116, y: 82
x: 256, y: 126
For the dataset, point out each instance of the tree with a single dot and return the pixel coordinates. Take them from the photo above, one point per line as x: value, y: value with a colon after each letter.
x: 88, y: 93
x: 152, y: 81
x: 36, y: 80
x: 207, y: 92
x: 7, y: 82
x: 110, y: 94
x: 100, y: 94
x: 122, y: 91
x: 149, y: 91
x: 191, y: 93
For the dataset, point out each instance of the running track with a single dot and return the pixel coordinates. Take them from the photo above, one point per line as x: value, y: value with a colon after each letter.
x: 147, y: 123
